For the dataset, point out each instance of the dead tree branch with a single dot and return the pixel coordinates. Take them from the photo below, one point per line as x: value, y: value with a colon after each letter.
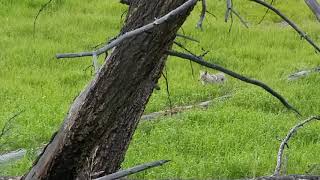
x: 265, y: 14
x: 133, y: 170
x: 37, y: 15
x: 202, y: 15
x: 291, y: 23
x: 289, y: 177
x: 132, y: 33
x: 6, y: 125
x: 286, y: 140
x: 314, y: 7
x: 229, y: 11
x: 188, y: 38
x: 202, y: 62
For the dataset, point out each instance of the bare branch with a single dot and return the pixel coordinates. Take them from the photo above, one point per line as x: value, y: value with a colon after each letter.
x: 133, y: 170
x: 165, y: 76
x: 314, y: 7
x: 240, y: 18
x: 36, y: 17
x: 291, y: 23
x: 202, y: 15
x: 132, y: 33
x: 5, y: 127
x: 187, y: 37
x: 235, y: 75
x: 289, y: 177
x: 265, y: 14
x: 229, y: 11
x: 286, y: 140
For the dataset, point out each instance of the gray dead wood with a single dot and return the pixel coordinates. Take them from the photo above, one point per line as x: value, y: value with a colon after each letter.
x: 133, y: 170
x: 202, y: 15
x: 286, y: 140
x: 179, y: 109
x: 303, y: 73
x: 129, y: 34
x: 314, y: 7
x: 15, y: 155
x: 10, y: 178
x: 202, y: 62
x: 289, y: 177
x: 291, y: 23
x: 12, y: 156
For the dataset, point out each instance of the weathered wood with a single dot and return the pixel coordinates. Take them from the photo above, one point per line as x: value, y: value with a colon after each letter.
x: 133, y: 170
x: 314, y: 7
x: 98, y: 128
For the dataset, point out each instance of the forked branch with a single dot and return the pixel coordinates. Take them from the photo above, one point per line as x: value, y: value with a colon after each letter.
x: 291, y: 23
x: 229, y: 12
x: 132, y: 33
x: 202, y: 62
x: 286, y: 140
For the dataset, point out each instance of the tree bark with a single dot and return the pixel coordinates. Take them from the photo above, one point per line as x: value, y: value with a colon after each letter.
x: 99, y: 126
x: 314, y: 7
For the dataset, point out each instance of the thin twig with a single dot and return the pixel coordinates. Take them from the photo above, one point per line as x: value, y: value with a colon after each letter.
x: 132, y: 33
x: 36, y: 17
x: 133, y: 170
x: 235, y: 75
x: 287, y: 138
x: 291, y: 23
x: 165, y: 76
x: 6, y: 125
x: 188, y: 38
x: 229, y: 11
x: 240, y: 18
x: 265, y: 14
x: 202, y: 15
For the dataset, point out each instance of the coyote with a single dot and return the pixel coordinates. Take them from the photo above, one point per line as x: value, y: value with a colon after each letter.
x: 207, y: 78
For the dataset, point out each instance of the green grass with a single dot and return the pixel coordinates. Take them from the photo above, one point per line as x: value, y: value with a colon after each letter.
x: 231, y: 139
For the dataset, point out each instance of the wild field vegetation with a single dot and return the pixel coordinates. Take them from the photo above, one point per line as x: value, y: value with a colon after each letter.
x: 234, y: 138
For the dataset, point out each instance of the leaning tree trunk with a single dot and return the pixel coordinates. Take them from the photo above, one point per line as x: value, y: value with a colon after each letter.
x: 99, y: 126
x: 315, y: 7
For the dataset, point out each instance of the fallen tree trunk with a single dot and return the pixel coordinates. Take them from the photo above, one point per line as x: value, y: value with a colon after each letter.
x: 98, y: 128
x: 314, y: 7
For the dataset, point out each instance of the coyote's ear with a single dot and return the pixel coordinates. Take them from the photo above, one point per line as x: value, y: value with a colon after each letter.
x: 205, y: 72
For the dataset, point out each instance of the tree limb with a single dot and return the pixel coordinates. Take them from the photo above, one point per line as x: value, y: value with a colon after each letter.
x: 287, y: 138
x: 132, y: 33
x: 133, y: 170
x: 235, y: 75
x: 291, y: 23
x: 202, y: 15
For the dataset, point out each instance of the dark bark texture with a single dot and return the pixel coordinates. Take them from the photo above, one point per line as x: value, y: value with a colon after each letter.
x: 99, y: 126
x: 314, y: 7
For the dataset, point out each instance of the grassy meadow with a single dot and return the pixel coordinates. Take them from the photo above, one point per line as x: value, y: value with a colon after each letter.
x: 234, y: 138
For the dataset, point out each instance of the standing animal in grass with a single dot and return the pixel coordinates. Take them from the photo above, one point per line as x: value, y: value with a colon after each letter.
x: 207, y: 78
